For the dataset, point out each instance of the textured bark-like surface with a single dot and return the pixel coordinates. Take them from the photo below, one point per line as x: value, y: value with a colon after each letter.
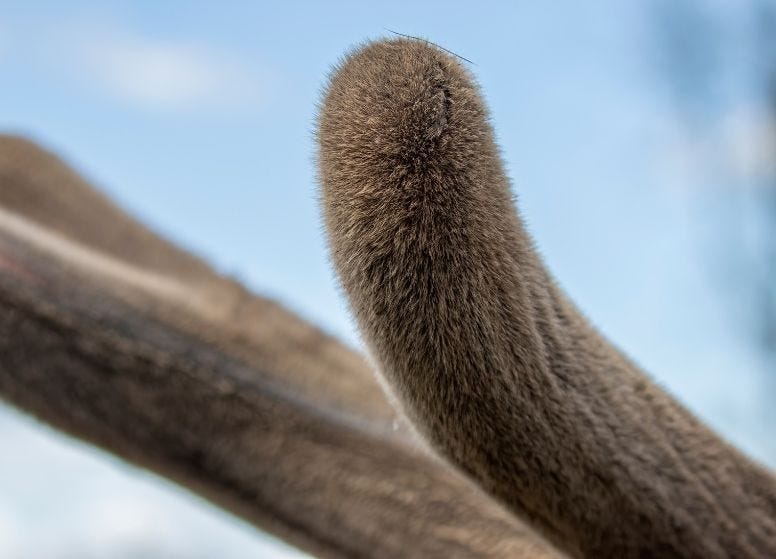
x: 491, y: 361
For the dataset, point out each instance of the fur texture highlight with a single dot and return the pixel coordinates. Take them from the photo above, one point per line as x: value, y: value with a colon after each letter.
x: 492, y: 363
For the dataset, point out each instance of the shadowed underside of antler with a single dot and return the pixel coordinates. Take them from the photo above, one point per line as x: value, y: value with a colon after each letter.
x: 174, y: 368
x: 492, y: 363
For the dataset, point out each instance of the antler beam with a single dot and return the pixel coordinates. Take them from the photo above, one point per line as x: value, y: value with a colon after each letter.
x: 491, y: 361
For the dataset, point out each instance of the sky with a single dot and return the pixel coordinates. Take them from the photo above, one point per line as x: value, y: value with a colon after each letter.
x: 199, y: 119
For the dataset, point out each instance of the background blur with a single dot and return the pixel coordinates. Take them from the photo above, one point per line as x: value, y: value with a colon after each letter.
x: 640, y: 136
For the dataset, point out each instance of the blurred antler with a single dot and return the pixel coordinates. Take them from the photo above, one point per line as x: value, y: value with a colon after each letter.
x: 40, y: 187
x: 116, y: 336
x: 494, y: 365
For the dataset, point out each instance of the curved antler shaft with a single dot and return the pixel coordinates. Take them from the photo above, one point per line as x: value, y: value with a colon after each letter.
x: 490, y: 360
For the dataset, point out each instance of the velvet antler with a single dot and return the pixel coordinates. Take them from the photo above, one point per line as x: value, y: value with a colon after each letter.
x: 492, y: 363
x: 117, y: 337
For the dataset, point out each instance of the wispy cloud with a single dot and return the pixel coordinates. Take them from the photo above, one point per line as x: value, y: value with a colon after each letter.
x: 165, y: 74
x: 735, y: 149
x: 140, y: 70
x: 750, y: 137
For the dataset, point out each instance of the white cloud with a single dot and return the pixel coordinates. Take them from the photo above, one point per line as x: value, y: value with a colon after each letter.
x: 734, y: 149
x: 139, y: 70
x: 165, y: 74
x: 750, y: 138
x: 143, y: 71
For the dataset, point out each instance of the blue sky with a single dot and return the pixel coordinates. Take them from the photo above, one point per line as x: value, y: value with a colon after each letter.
x: 199, y: 118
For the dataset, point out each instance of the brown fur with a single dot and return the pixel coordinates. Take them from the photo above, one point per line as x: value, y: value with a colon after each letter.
x: 40, y: 187
x: 247, y: 405
x: 492, y: 363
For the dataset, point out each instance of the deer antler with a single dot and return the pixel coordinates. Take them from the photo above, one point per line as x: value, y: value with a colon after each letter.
x: 41, y: 188
x: 492, y: 363
x: 116, y: 336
